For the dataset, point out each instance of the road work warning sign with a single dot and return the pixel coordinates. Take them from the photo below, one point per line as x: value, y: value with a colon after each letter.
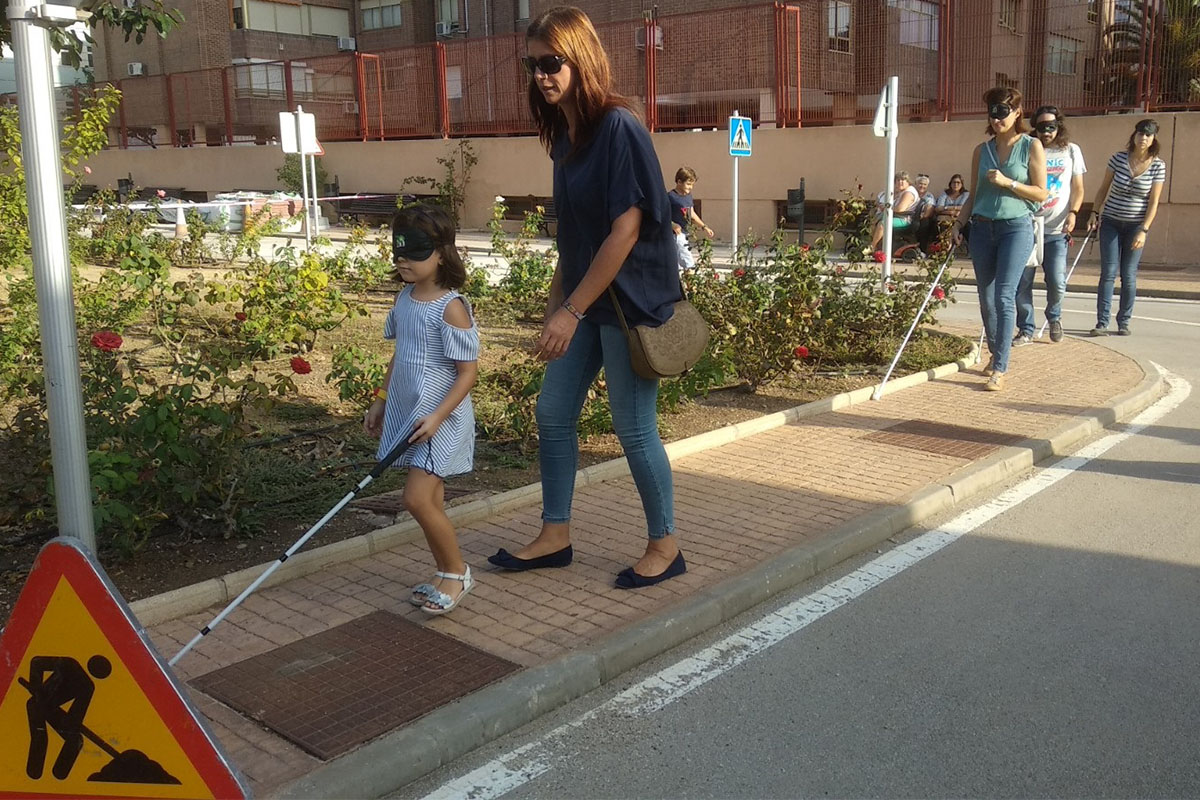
x: 88, y: 709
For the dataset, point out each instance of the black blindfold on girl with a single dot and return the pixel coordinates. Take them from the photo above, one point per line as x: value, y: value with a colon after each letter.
x: 411, y: 244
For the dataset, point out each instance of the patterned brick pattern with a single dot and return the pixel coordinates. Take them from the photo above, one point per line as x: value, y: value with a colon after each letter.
x: 735, y: 505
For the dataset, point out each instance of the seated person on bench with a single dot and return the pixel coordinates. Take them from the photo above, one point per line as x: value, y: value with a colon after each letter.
x: 906, y: 203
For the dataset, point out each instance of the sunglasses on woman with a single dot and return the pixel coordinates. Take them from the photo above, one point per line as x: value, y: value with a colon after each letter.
x: 1046, y: 127
x: 547, y: 65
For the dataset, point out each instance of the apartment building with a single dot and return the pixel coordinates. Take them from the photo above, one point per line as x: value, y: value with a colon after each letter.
x: 398, y: 68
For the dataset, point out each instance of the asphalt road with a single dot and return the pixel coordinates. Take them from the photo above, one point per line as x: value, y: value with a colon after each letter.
x: 1049, y: 648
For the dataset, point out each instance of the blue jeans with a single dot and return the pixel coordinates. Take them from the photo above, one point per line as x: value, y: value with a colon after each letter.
x: 634, y: 402
x: 1054, y: 266
x: 1000, y: 249
x: 1116, y: 252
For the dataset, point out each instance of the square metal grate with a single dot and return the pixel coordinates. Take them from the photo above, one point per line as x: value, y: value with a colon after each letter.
x: 333, y: 691
x: 943, y: 439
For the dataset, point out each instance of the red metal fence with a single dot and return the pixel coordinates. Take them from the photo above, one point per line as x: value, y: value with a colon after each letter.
x: 806, y: 62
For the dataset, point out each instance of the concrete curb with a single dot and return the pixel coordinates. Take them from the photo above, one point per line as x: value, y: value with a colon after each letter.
x: 398, y: 758
x: 216, y: 591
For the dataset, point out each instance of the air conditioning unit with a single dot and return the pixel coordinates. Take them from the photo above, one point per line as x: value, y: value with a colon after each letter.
x: 345, y: 43
x: 135, y: 69
x: 639, y: 38
x: 349, y: 106
x: 444, y: 28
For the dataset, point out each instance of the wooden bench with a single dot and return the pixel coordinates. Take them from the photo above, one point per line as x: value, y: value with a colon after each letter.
x: 368, y: 208
x: 517, y: 207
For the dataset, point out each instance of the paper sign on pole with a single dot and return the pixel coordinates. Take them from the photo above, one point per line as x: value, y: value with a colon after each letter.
x: 87, y: 707
x: 303, y: 140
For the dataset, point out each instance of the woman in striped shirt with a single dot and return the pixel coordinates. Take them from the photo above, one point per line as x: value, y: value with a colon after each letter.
x: 1129, y: 198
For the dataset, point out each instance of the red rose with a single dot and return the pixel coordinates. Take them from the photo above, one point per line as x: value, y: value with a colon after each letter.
x: 161, y: 193
x: 935, y: 248
x: 804, y: 248
x: 801, y: 352
x: 106, y: 341
x: 939, y: 293
x: 879, y: 257
x: 240, y: 316
x: 300, y: 366
x: 737, y: 273
x: 891, y: 287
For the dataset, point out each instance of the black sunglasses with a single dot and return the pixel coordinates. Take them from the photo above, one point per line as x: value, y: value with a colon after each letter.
x: 1046, y: 127
x: 999, y: 110
x: 549, y: 65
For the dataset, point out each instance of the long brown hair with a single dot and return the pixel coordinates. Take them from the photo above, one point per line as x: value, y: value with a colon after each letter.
x: 568, y: 32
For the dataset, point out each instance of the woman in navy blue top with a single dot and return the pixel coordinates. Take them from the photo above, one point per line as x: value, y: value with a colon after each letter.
x: 614, y: 227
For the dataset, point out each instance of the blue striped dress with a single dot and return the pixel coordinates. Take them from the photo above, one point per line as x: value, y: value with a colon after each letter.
x: 424, y: 369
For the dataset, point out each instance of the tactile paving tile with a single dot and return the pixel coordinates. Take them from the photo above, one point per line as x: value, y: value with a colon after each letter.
x: 333, y: 691
x: 393, y: 502
x: 943, y: 439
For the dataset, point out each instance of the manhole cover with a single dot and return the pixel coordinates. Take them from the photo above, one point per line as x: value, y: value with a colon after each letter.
x: 393, y: 502
x: 942, y: 439
x: 331, y: 692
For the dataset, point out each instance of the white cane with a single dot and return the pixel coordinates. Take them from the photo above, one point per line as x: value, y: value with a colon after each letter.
x: 1067, y: 279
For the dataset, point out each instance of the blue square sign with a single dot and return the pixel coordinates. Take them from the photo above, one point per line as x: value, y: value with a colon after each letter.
x: 739, y: 136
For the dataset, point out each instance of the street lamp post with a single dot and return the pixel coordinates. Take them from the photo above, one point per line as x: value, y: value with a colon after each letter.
x: 29, y: 24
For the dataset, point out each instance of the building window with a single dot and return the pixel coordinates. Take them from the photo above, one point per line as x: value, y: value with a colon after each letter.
x: 1062, y: 54
x: 386, y: 16
x: 447, y: 10
x: 1093, y: 12
x: 239, y: 15
x: 839, y: 26
x: 1009, y: 10
x: 522, y: 9
x: 918, y: 22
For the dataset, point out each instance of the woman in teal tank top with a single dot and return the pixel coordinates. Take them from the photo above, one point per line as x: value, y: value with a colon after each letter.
x: 1009, y: 185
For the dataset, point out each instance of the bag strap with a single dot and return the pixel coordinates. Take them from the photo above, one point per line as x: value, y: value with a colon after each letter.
x: 617, y: 305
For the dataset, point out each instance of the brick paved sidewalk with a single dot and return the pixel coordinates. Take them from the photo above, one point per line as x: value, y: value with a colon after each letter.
x: 736, y: 505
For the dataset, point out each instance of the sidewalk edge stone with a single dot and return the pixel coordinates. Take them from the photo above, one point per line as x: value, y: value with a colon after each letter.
x: 214, y: 591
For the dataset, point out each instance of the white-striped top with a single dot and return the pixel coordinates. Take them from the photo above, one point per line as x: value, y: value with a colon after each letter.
x: 425, y: 367
x: 1129, y: 198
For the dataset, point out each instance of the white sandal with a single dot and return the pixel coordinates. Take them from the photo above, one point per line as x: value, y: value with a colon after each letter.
x: 444, y: 602
x: 421, y: 592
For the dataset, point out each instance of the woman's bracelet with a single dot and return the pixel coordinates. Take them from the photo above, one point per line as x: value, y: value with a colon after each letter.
x: 380, y: 394
x: 572, y: 310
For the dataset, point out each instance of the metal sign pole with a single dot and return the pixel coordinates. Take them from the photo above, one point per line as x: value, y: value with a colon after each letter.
x: 893, y: 99
x: 303, y: 181
x: 51, y: 267
x: 316, y: 211
x: 734, y: 252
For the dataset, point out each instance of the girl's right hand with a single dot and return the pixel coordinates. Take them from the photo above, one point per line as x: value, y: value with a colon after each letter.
x: 1093, y: 222
x: 373, y: 421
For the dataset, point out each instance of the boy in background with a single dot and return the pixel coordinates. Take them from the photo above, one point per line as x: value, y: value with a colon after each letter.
x: 683, y: 214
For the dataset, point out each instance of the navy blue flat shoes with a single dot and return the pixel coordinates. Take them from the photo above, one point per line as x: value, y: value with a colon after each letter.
x: 506, y: 560
x: 628, y: 579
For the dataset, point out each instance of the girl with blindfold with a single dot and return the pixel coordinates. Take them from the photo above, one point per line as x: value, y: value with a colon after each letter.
x: 614, y: 228
x: 426, y: 394
x: 1009, y: 174
x: 1129, y: 197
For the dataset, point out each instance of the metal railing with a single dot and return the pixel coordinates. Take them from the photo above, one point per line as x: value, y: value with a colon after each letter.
x: 807, y: 62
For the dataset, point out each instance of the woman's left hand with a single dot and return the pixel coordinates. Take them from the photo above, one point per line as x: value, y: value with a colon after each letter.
x: 556, y: 335
x: 1139, y: 241
x: 998, y: 178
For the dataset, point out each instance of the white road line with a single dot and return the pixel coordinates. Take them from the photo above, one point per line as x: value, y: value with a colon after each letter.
x: 520, y: 766
x: 972, y: 298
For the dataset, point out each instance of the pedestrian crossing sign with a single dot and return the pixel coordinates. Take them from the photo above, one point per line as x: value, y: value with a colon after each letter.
x: 88, y: 709
x: 739, y: 137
